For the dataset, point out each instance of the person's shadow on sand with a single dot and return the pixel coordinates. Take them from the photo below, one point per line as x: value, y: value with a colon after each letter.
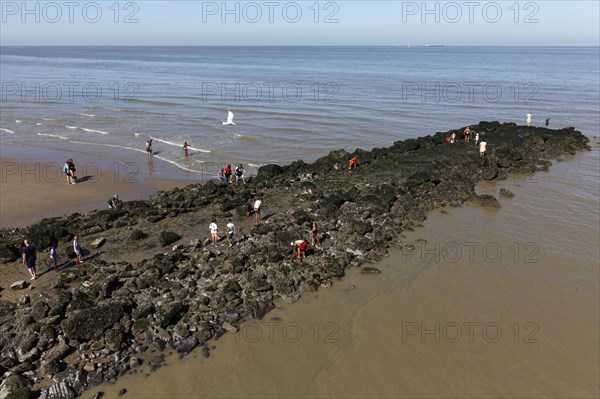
x: 84, y: 179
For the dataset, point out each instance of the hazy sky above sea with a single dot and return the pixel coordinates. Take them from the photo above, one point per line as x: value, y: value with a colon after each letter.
x: 175, y: 22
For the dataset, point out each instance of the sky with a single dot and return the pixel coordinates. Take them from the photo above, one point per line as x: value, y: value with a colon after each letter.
x: 177, y: 22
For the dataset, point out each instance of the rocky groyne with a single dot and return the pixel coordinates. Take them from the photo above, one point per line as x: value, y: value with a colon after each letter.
x: 152, y: 281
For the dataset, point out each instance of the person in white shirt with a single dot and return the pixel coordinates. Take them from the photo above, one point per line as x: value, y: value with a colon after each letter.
x: 214, y: 232
x: 482, y: 146
x: 529, y: 119
x: 230, y: 232
x: 257, y: 206
x: 77, y: 250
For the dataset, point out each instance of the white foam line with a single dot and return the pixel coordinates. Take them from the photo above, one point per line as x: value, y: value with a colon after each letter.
x: 181, y: 145
x: 39, y: 124
x: 200, y: 149
x: 86, y: 130
x: 178, y: 165
x: 53, y: 135
x: 88, y: 115
x: 108, y: 145
x: 7, y: 131
x: 94, y: 131
x: 18, y: 121
x: 48, y: 119
x: 143, y: 151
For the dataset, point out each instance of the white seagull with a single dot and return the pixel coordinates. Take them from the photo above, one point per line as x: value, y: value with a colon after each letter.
x: 229, y: 118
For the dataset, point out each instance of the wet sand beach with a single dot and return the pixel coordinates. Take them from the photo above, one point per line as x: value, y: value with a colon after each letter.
x: 33, y: 185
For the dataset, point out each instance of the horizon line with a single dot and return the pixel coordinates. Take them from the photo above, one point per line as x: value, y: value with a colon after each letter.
x: 298, y: 45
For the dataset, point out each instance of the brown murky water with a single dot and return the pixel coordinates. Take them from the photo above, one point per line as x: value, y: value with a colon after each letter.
x: 496, y: 304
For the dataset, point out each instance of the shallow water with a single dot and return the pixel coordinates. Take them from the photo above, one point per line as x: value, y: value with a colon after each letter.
x: 496, y: 304
x: 289, y: 102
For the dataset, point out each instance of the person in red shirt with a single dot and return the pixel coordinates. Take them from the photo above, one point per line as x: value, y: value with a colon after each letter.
x: 228, y: 173
x: 300, y: 248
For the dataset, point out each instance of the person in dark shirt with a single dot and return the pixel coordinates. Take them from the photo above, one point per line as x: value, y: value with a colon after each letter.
x: 29, y: 257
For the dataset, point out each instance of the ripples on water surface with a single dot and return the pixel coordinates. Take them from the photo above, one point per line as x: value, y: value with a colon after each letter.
x: 290, y: 102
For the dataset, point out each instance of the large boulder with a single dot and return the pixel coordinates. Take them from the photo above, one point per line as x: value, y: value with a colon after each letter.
x: 91, y: 323
x: 8, y: 253
x: 15, y: 387
x: 488, y: 201
x: 169, y: 314
x: 267, y: 172
x: 168, y: 238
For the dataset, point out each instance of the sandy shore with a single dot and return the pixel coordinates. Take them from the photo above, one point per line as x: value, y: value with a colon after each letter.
x: 34, y: 187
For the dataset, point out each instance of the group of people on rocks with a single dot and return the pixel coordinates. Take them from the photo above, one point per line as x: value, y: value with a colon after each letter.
x: 528, y: 118
x: 299, y: 246
x: 114, y: 202
x: 229, y: 176
x: 467, y: 137
x: 483, y: 145
x: 29, y: 256
x: 214, y: 232
x: 214, y: 228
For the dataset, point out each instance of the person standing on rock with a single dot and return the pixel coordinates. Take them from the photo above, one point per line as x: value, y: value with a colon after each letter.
x: 353, y: 163
x: 547, y: 122
x: 476, y: 138
x: 482, y: 150
x: 230, y: 232
x: 53, y: 258
x: 29, y: 257
x: 257, y: 205
x: 452, y: 138
x: 239, y: 174
x: 467, y: 134
x: 214, y: 232
x: 77, y: 250
x: 228, y: 173
x: 529, y: 119
x: 300, y: 248
x: 222, y: 176
x: 315, y: 233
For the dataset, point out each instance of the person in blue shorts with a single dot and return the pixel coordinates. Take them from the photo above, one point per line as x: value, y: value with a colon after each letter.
x: 230, y: 232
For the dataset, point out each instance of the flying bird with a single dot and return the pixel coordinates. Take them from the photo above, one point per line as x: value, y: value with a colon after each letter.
x: 229, y: 118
